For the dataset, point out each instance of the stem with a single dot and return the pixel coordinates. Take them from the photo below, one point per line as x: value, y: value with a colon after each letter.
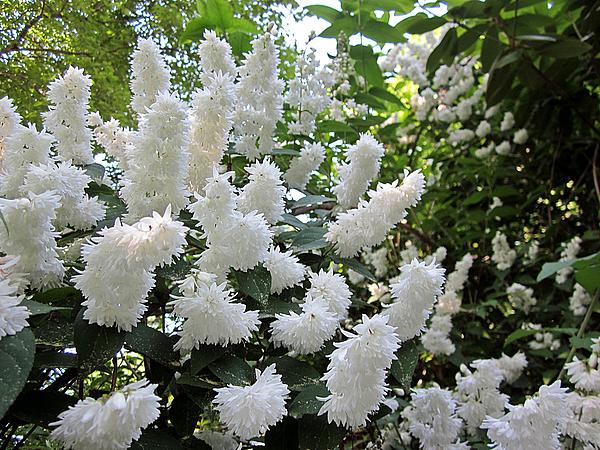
x: 113, y: 382
x: 595, y: 174
x: 581, y: 331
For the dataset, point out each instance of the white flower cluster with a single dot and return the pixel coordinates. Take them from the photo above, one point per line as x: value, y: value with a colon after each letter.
x: 521, y: 297
x: 539, y: 420
x: 378, y: 259
x: 542, y: 339
x: 210, y: 313
x: 158, y: 159
x: 579, y: 301
x: 77, y: 210
x: 503, y: 255
x: 432, y: 419
x: 123, y: 257
x: 583, y: 419
x: 363, y: 161
x: 13, y: 316
x: 68, y: 116
x: 570, y: 251
x: 357, y: 370
x: 217, y: 214
x: 149, y: 75
x: 29, y: 233
x: 249, y: 411
x: 259, y: 99
x: 585, y: 374
x: 307, y: 94
x: 215, y: 56
x: 112, y: 422
x: 310, y: 158
x: 264, y: 191
x: 113, y: 138
x: 325, y: 304
x: 285, y: 269
x: 368, y: 225
x: 9, y: 119
x: 414, y: 294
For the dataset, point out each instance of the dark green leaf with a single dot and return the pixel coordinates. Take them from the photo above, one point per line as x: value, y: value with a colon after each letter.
x: 95, y: 171
x: 354, y: 265
x: 381, y: 32
x: 324, y: 12
x: 444, y: 52
x: 184, y: 414
x: 153, y: 439
x: 152, y: 344
x: 317, y: 434
x: 306, y: 401
x: 490, y: 49
x: 565, y: 48
x: 41, y: 407
x: 403, y: 368
x: 296, y: 374
x: 232, y: 370
x: 256, y: 283
x: 347, y: 24
x: 309, y: 239
x: 16, y: 359
x: 54, y: 359
x: 36, y: 308
x: 204, y: 355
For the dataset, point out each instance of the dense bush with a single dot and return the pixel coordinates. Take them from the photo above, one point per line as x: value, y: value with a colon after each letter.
x: 396, y: 248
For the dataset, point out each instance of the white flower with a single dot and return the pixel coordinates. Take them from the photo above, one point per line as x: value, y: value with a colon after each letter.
x: 217, y: 440
x: 583, y: 419
x: 114, y: 139
x: 432, y: 418
x: 285, y: 269
x: 503, y: 255
x: 212, y: 317
x: 368, y: 225
x: 158, y: 160
x: 112, y: 422
x: 460, y: 275
x: 305, y: 332
x: 521, y: 297
x: 413, y: 296
x: 264, y: 191
x: 311, y: 157
x: 77, y: 209
x: 584, y: 374
x: 333, y: 289
x: 13, y: 318
x: 520, y: 136
x: 31, y: 235
x: 492, y: 111
x: 496, y: 203
x: 570, y: 251
x: 362, y: 165
x: 378, y: 259
x: 436, y: 338
x: 149, y: 75
x: 579, y: 301
x: 260, y: 100
x: 69, y: 97
x: 356, y: 372
x: 210, y: 125
x: 215, y: 56
x: 249, y: 411
x: 486, y: 151
x: 460, y: 136
x: 508, y: 121
x: 24, y: 147
x: 503, y: 148
x: 539, y: 420
x: 9, y: 119
x: 124, y: 257
x: 512, y: 366
x: 483, y: 129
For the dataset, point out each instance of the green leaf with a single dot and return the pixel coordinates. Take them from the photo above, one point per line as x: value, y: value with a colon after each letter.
x: 324, y: 12
x: 184, y: 414
x: 370, y: 100
x: 220, y: 13
x: 425, y: 24
x: 519, y: 334
x: 536, y: 38
x: 403, y: 368
x: 347, y: 24
x: 204, y: 355
x: 36, y: 308
x: 499, y: 84
x: 296, y: 374
x: 240, y: 43
x: 333, y: 126
x: 152, y: 344
x: 587, y: 272
x: 444, y: 52
x: 194, y: 30
x: 474, y: 198
x: 381, y: 32
x: 52, y: 295
x: 242, y: 25
x: 354, y: 265
x: 16, y: 360
x: 293, y: 221
x: 41, y: 407
x: 282, y: 436
x: 549, y: 269
x: 490, y: 49
x: 365, y: 63
x: 312, y: 200
x: 384, y: 94
x: 95, y: 344
x: 153, y: 439
x: 232, y: 370
x: 306, y: 401
x: 95, y: 171
x: 565, y: 48
x: 256, y: 283
x: 317, y: 434
x: 54, y: 359
x: 309, y: 239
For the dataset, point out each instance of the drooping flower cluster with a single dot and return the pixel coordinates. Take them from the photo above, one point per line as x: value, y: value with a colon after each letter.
x: 67, y: 117
x: 357, y: 371
x: 217, y: 215
x: 362, y: 165
x: 432, y: 419
x: 298, y: 174
x: 543, y: 339
x: 29, y: 233
x: 249, y: 411
x: 124, y: 257
x: 585, y: 373
x: 149, y: 75
x: 9, y: 119
x: 521, y: 297
x: 210, y: 313
x: 570, y: 251
x: 264, y: 191
x: 259, y: 99
x: 111, y: 422
x: 77, y: 210
x: 113, y: 138
x: 414, y: 294
x: 158, y: 159
x: 368, y: 225
x: 579, y: 301
x: 285, y: 269
x: 539, y: 420
x: 215, y: 56
x: 13, y: 316
x: 503, y: 255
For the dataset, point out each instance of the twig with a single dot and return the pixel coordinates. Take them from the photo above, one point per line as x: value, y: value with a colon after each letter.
x: 595, y: 173
x: 113, y: 381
